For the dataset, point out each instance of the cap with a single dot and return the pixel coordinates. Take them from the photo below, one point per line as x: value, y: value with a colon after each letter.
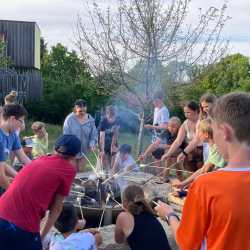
x: 68, y: 145
x: 81, y: 103
x: 27, y: 143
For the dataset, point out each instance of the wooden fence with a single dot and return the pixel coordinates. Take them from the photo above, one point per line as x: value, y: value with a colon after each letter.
x: 28, y: 84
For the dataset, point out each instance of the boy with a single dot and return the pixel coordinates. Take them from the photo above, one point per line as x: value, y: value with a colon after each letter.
x: 216, y: 210
x: 40, y: 186
x: 67, y: 237
x: 124, y: 160
x: 12, y: 119
x: 162, y: 143
x: 215, y: 160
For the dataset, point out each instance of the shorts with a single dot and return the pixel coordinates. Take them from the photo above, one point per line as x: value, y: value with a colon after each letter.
x: 15, y: 238
x: 158, y: 153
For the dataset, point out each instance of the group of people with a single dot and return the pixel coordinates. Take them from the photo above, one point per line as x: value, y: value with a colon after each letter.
x: 214, y: 138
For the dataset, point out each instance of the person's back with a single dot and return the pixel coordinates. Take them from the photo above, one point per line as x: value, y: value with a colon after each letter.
x: 33, y: 189
x: 147, y: 234
x: 223, y: 213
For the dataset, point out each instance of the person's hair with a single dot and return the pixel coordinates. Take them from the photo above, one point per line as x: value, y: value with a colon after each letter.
x: 175, y: 119
x: 16, y: 110
x: 193, y: 106
x: 159, y: 95
x: 208, y: 98
x: 37, y: 125
x: 125, y: 149
x: 111, y: 110
x: 67, y: 220
x: 234, y: 109
x: 205, y: 126
x: 11, y: 97
x: 134, y: 200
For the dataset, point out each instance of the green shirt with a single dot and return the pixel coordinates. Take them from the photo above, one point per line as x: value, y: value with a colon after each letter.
x: 40, y: 146
x: 215, y: 158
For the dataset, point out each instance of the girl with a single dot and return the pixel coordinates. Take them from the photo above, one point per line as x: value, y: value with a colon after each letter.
x: 137, y: 224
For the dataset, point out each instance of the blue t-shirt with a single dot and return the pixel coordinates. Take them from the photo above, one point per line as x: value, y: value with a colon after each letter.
x: 8, y: 142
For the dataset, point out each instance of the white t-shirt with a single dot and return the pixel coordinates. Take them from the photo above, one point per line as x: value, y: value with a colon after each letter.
x: 129, y: 163
x: 75, y: 241
x: 161, y: 115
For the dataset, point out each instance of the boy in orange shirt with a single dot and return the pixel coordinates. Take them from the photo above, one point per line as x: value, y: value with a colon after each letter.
x: 216, y: 211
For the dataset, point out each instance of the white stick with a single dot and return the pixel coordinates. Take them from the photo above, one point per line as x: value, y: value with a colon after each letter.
x: 91, y: 165
x: 100, y: 223
x: 80, y: 206
x: 156, y: 203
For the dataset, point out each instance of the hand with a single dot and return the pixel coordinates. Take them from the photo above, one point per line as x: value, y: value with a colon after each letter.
x: 101, y: 154
x: 92, y: 148
x: 114, y: 149
x: 93, y: 230
x: 181, y: 157
x: 164, y: 157
x: 163, y: 209
x: 141, y: 157
x: 148, y: 126
x: 81, y: 224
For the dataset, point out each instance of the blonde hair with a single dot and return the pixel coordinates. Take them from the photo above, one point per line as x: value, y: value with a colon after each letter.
x: 176, y: 120
x: 37, y: 125
x: 11, y: 97
x: 205, y: 126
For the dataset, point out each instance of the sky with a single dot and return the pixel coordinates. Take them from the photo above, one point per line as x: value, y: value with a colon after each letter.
x: 57, y: 18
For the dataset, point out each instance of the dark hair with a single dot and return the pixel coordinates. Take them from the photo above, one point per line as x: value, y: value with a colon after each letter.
x: 159, y: 95
x: 67, y: 219
x: 234, y: 110
x: 16, y: 110
x: 134, y: 199
x: 125, y: 149
x: 193, y: 106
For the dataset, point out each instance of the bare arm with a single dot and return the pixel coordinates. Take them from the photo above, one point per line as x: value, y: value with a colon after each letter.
x: 4, y: 182
x: 54, y: 212
x: 102, y: 140
x: 151, y: 147
x: 22, y: 157
x: 177, y: 143
x: 10, y: 172
x: 193, y: 144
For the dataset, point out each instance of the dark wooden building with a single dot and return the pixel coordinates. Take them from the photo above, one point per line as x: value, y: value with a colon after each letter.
x: 22, y: 41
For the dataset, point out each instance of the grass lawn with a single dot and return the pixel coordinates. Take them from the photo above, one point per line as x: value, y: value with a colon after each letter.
x: 54, y: 131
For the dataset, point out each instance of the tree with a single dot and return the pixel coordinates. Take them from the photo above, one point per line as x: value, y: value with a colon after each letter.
x: 66, y: 78
x: 149, y: 33
x: 4, y: 60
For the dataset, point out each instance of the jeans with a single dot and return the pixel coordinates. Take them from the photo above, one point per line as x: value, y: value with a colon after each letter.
x: 15, y: 238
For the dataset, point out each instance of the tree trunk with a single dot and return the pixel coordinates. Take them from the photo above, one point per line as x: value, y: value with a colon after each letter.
x: 140, y: 135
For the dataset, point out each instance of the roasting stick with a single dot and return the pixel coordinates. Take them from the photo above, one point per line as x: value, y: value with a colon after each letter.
x: 91, y: 165
x: 80, y: 206
x: 107, y: 200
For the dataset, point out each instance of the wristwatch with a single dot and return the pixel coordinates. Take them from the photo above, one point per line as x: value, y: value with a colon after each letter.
x: 171, y: 214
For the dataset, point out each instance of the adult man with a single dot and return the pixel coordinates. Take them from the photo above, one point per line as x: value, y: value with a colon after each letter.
x: 161, y: 115
x: 82, y: 125
x: 216, y: 211
x: 12, y: 120
x: 40, y: 185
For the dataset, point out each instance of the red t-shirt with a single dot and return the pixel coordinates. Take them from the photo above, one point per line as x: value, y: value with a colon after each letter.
x: 33, y: 190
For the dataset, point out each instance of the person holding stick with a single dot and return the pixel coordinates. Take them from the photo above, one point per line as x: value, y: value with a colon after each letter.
x: 216, y: 211
x: 137, y: 225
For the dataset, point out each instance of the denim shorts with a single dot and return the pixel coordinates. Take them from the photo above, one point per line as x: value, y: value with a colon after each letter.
x: 15, y: 238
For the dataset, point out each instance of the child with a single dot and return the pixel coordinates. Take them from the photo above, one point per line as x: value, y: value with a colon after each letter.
x: 162, y: 143
x: 137, y: 224
x: 67, y: 237
x: 124, y: 160
x: 214, y: 160
x: 216, y: 210
x: 40, y: 139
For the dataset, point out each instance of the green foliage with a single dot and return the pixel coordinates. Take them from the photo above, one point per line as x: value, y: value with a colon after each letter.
x: 4, y: 60
x: 66, y: 78
x: 230, y: 74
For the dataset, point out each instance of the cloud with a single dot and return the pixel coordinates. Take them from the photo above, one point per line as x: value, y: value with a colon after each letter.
x: 57, y: 18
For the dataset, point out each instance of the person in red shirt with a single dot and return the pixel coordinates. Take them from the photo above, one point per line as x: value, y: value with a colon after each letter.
x: 40, y: 186
x: 216, y: 211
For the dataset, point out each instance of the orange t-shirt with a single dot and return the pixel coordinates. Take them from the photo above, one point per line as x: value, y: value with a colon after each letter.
x: 216, y: 214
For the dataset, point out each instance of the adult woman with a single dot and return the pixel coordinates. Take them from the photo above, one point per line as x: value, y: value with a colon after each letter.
x: 137, y: 224
x: 82, y: 125
x: 206, y: 103
x: 187, y: 133
x: 109, y: 131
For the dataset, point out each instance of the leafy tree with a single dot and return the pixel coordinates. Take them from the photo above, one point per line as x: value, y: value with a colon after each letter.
x: 4, y: 60
x: 66, y: 78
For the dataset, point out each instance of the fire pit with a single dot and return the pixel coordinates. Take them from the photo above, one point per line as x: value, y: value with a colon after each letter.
x: 98, y: 197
